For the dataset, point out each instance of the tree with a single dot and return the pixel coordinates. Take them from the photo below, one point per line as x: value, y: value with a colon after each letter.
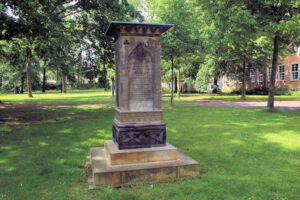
x: 176, y: 42
x: 279, y: 21
x: 232, y: 41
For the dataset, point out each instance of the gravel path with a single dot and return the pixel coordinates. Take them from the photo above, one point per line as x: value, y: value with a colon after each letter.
x: 283, y: 105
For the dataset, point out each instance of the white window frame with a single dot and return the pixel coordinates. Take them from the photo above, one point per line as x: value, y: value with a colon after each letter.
x: 260, y: 77
x: 252, y: 77
x: 294, y: 78
x: 280, y: 73
x: 269, y: 74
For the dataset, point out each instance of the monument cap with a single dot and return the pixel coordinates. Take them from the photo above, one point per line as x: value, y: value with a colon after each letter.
x: 114, y: 28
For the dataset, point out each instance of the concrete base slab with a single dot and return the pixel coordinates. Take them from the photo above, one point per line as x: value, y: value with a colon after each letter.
x: 103, y: 173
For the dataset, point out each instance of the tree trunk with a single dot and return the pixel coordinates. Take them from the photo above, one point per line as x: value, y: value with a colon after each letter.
x: 215, y: 82
x: 22, y: 83
x: 178, y: 81
x: 106, y: 84
x: 273, y: 74
x: 175, y: 84
x: 172, y: 85
x: 265, y: 79
x: 28, y: 55
x: 63, y: 83
x: 44, y: 80
x: 112, y: 86
x: 215, y: 90
x: 57, y: 78
x: 16, y: 90
x: 244, y: 81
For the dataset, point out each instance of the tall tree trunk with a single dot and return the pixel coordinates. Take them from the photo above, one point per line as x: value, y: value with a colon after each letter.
x: 112, y: 86
x: 265, y: 79
x: 22, y: 83
x: 244, y: 81
x: 172, y: 85
x: 63, y: 83
x: 175, y: 84
x: 105, y: 78
x: 215, y: 90
x: 44, y: 80
x: 16, y: 89
x: 57, y: 78
x: 178, y: 81
x: 215, y: 82
x: 273, y: 74
x: 28, y: 55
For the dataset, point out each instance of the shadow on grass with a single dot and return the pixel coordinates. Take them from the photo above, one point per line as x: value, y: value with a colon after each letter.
x: 97, y: 99
x: 245, y: 154
x: 42, y: 160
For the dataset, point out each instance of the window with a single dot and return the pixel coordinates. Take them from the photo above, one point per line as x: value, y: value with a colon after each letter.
x: 294, y: 49
x: 252, y: 77
x: 281, y: 73
x: 259, y: 76
x: 269, y: 74
x: 294, y: 72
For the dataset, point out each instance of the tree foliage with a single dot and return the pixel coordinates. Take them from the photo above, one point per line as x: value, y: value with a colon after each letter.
x: 63, y: 35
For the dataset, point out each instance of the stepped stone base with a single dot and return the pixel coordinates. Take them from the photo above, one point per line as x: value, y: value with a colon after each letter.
x: 110, y: 166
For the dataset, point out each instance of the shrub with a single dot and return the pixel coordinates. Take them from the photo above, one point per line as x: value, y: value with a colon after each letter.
x: 216, y: 90
x: 264, y: 91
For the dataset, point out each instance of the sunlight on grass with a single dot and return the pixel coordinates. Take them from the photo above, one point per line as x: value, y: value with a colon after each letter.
x: 43, y: 143
x: 235, y: 141
x: 288, y: 140
x: 228, y: 97
x: 91, y: 96
x: 244, y: 153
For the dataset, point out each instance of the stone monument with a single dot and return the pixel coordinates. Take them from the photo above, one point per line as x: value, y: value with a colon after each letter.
x: 138, y: 151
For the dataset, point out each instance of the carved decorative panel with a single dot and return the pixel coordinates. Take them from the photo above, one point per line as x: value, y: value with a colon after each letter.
x: 139, y: 137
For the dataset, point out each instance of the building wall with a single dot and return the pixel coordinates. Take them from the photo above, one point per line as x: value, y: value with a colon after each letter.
x: 287, y: 82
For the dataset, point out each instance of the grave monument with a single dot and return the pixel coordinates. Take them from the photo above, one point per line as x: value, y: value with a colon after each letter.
x: 138, y: 151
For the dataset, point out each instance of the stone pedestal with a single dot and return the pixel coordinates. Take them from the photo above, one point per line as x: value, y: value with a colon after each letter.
x: 138, y: 151
x: 111, y: 166
x: 138, y: 119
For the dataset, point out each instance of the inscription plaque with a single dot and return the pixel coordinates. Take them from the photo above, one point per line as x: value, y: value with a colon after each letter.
x: 140, y: 80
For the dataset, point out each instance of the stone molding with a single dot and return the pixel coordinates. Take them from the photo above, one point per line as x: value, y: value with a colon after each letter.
x: 138, y: 117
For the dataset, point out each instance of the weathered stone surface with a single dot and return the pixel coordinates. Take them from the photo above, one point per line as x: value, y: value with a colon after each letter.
x: 138, y: 84
x: 129, y: 156
x: 138, y: 73
x: 138, y: 152
x: 106, y: 174
x: 140, y: 117
x: 139, y: 135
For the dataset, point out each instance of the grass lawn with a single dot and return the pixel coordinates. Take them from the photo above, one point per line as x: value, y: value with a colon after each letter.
x: 243, y: 153
x: 84, y: 96
x: 227, y: 97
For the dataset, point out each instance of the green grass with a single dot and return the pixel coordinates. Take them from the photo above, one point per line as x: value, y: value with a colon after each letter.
x: 99, y: 96
x: 243, y: 153
x: 91, y: 96
x: 84, y: 96
x: 227, y: 97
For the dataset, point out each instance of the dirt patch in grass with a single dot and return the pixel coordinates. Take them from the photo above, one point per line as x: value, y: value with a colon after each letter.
x: 31, y: 105
x: 15, y: 116
x: 23, y: 119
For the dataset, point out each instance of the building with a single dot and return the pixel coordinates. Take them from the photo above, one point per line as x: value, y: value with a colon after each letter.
x: 287, y: 75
